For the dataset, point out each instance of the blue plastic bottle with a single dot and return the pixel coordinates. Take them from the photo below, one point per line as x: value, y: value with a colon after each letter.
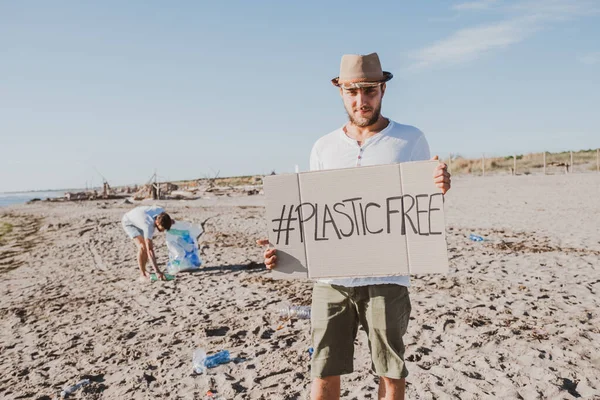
x: 201, y: 361
x: 476, y: 238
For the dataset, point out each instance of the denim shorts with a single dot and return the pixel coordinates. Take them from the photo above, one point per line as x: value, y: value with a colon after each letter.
x: 131, y: 230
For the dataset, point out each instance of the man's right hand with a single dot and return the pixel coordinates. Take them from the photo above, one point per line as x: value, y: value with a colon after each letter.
x: 269, y: 254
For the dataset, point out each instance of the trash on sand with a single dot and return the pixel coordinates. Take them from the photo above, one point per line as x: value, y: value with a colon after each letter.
x: 281, y: 326
x: 287, y: 311
x: 201, y: 361
x: 476, y: 238
x: 213, y: 396
x: 74, y: 388
x: 154, y: 278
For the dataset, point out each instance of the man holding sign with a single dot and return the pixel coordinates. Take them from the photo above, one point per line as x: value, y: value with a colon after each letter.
x: 380, y: 304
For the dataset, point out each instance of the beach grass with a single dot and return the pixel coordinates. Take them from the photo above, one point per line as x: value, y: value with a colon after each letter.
x: 526, y: 163
x: 222, y: 182
x: 5, y: 229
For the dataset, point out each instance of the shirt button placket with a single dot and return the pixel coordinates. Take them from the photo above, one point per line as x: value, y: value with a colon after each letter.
x: 359, y: 158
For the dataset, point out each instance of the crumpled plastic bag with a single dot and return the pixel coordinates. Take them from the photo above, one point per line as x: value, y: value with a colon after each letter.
x: 182, y: 243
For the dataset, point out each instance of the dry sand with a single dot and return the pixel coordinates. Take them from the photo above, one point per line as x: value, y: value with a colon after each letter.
x: 516, y: 318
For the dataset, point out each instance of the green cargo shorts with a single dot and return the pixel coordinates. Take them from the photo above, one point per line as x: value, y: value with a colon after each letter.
x: 383, y: 311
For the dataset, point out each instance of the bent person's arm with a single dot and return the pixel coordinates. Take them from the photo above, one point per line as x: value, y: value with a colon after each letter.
x: 152, y: 257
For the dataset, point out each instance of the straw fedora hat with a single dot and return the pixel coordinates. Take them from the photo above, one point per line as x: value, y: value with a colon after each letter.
x: 357, y: 69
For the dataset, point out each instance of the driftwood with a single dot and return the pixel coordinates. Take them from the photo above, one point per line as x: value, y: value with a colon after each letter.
x: 155, y: 191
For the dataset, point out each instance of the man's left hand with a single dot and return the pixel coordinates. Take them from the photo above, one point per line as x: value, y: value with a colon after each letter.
x: 441, y: 176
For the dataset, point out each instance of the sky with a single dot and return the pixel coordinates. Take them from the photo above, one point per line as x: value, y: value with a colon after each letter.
x: 192, y: 89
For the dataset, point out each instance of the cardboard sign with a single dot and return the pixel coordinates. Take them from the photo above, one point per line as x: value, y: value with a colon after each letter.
x: 357, y: 222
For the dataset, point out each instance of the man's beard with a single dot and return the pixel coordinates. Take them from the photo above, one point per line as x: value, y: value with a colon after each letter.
x: 362, y: 121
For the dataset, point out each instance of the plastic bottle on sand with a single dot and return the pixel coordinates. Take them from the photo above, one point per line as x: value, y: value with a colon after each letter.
x: 476, y: 238
x: 201, y: 361
x: 73, y: 389
x: 287, y: 311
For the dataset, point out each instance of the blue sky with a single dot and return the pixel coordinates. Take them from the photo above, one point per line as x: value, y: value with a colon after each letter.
x: 242, y: 87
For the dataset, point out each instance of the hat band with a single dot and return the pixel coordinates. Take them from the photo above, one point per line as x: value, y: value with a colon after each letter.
x: 358, y: 85
x: 376, y: 80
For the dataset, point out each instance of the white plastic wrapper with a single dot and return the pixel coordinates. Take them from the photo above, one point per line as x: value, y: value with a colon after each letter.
x: 182, y: 243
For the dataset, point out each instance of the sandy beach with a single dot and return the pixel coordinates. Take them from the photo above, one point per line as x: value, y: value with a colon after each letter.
x: 517, y: 317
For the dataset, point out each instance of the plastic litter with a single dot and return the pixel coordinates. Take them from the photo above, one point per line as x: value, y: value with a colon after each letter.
x: 476, y: 238
x: 154, y: 278
x: 213, y: 396
x: 72, y: 389
x: 182, y: 243
x: 201, y: 361
x: 287, y: 311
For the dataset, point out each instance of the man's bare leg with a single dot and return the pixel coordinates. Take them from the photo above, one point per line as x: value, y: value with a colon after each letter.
x: 391, y: 389
x: 326, y: 388
x: 142, y: 256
